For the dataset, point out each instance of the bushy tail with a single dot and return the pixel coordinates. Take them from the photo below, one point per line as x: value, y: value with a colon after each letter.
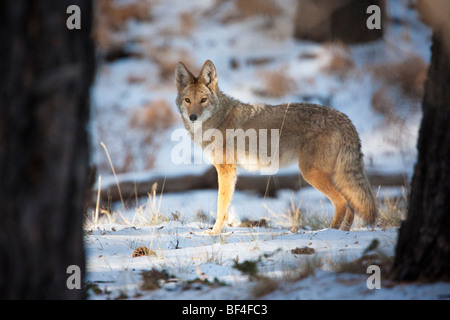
x: 350, y: 178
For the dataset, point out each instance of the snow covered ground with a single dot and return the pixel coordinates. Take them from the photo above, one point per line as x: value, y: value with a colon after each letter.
x: 185, y: 263
x: 202, y: 266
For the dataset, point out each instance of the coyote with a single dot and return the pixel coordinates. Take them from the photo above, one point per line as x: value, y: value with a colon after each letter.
x: 323, y: 141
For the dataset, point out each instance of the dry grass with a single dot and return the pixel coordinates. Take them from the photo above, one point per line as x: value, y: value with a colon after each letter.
x: 248, y: 8
x: 264, y: 286
x: 382, y: 104
x: 300, y: 219
x: 146, y: 214
x: 111, y: 17
x: 408, y: 75
x: 152, y: 280
x: 401, y: 90
x: 274, y: 19
x: 359, y: 265
x: 393, y: 211
x: 132, y: 79
x: 307, y: 267
x: 296, y: 217
x: 244, y: 9
x: 153, y: 117
x: 167, y: 58
x: 396, y: 111
x: 151, y: 120
x: 150, y: 213
x: 372, y: 255
x: 341, y: 62
x: 187, y: 23
x: 276, y: 83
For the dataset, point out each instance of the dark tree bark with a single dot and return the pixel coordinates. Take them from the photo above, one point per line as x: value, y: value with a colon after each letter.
x: 336, y: 20
x: 45, y: 74
x: 423, y: 248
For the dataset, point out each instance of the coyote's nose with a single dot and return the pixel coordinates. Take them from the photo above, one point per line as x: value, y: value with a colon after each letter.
x: 193, y: 117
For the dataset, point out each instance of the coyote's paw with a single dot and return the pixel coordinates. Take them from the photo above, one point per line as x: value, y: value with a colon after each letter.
x: 211, y: 232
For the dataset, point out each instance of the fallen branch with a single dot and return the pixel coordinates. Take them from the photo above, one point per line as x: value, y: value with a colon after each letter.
x: 262, y: 185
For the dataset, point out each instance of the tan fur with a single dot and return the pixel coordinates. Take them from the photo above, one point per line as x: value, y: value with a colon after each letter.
x: 323, y: 141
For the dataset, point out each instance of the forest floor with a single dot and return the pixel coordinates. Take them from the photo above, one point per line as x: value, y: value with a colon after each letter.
x: 156, y: 247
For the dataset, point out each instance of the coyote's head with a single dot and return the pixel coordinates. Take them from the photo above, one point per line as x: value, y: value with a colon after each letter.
x: 197, y: 99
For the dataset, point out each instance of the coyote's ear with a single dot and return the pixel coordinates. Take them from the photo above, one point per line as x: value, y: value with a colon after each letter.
x: 208, y: 76
x: 183, y: 77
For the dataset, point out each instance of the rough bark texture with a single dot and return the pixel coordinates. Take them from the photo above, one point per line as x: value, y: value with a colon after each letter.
x: 423, y: 248
x: 45, y: 74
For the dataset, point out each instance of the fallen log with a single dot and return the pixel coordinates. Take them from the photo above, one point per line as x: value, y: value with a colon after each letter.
x: 262, y: 185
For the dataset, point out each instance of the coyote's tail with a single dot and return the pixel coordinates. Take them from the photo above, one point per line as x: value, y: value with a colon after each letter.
x: 350, y: 178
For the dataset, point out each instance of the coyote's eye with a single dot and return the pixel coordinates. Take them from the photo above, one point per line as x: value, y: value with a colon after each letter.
x: 203, y: 100
x: 187, y: 100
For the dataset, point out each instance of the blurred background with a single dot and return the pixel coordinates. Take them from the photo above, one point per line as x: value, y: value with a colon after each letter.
x: 265, y: 51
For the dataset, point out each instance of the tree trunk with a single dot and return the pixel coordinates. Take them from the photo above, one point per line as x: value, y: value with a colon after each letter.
x: 423, y: 248
x: 336, y: 20
x: 45, y: 75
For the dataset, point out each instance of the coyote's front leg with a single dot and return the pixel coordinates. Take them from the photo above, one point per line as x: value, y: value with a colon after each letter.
x: 227, y: 179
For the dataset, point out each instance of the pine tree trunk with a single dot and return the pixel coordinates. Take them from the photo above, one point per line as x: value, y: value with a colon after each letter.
x: 45, y: 74
x: 423, y: 248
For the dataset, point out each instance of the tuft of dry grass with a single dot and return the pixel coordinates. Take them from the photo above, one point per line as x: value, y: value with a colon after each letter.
x: 372, y: 255
x: 264, y: 286
x: 111, y: 16
x: 155, y: 116
x: 167, y: 58
x: 401, y: 90
x: 303, y: 250
x: 152, y: 280
x: 248, y: 8
x: 306, y: 268
x: 393, y: 211
x: 295, y: 217
x: 244, y: 9
x: 341, y: 62
x: 359, y: 265
x: 119, y: 13
x: 132, y: 79
x: 409, y: 75
x: 381, y: 103
x: 300, y: 219
x: 187, y: 23
x: 150, y: 213
x: 276, y: 83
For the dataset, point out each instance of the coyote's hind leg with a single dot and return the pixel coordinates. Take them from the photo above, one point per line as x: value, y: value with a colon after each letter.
x: 323, y: 182
x: 348, y: 219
